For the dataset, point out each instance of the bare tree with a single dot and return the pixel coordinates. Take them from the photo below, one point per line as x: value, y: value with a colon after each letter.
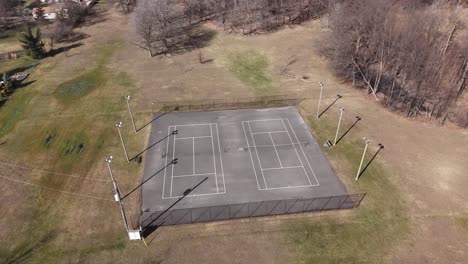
x: 127, y: 6
x: 56, y: 32
x: 159, y: 26
x: 405, y: 51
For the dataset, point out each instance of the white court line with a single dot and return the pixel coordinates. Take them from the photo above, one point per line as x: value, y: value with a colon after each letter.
x: 289, y: 187
x: 194, y: 195
x: 277, y: 155
x: 297, y: 153
x: 192, y: 137
x: 173, y: 153
x: 259, y: 163
x: 263, y: 120
x: 250, y: 152
x: 192, y: 175
x: 220, y: 158
x: 214, y: 158
x: 283, y: 168
x: 279, y: 131
x: 280, y: 145
x: 206, y: 124
x: 167, y: 151
x: 292, y: 129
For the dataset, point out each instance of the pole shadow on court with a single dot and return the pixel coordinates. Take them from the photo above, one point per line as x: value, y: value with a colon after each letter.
x: 154, y: 144
x: 174, y: 161
x: 349, y: 129
x: 159, y: 116
x: 148, y: 229
x: 372, y: 159
x: 328, y: 107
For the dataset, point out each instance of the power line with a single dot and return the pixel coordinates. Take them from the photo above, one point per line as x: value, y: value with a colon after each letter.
x: 50, y: 172
x: 57, y: 190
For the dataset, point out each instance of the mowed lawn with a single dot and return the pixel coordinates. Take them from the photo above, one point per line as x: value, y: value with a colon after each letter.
x: 63, y: 125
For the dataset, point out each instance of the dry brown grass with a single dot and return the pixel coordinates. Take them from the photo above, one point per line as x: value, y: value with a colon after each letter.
x: 423, y: 161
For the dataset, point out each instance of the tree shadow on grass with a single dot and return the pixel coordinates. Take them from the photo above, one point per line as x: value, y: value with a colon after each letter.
x: 197, y: 37
x: 53, y: 52
x: 94, y: 16
x: 31, y: 248
x: 74, y: 37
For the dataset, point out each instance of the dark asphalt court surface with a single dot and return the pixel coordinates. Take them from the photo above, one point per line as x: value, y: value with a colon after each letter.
x: 231, y: 157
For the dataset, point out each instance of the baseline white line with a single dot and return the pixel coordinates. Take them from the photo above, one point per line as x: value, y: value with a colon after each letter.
x: 167, y: 152
x: 262, y: 120
x: 214, y: 158
x: 277, y: 155
x: 194, y: 195
x: 206, y: 124
x: 250, y: 152
x: 280, y: 145
x: 173, y: 155
x: 192, y: 137
x: 289, y: 187
x: 220, y: 157
x: 256, y: 133
x: 192, y: 175
x: 297, y: 153
x: 303, y: 153
x: 283, y: 168
x: 259, y: 163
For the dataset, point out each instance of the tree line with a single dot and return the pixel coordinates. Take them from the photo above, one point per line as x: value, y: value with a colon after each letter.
x: 410, y: 52
x: 164, y: 24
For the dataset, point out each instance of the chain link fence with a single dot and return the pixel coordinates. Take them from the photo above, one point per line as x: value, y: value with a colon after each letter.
x: 226, y: 104
x: 251, y: 209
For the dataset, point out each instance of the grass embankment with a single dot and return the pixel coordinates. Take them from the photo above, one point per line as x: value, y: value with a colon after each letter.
x: 370, y: 231
x: 252, y: 68
x: 53, y: 129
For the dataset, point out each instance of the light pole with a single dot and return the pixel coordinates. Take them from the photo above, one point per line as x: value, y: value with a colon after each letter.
x: 117, y: 194
x: 127, y: 99
x: 320, y: 100
x: 366, y: 141
x: 119, y: 125
x: 339, y: 123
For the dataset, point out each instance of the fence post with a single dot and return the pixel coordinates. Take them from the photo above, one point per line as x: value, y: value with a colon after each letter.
x: 238, y: 105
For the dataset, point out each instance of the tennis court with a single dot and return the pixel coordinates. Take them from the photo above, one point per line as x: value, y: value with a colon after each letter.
x: 233, y: 157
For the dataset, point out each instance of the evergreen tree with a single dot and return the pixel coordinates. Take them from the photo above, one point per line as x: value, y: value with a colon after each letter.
x: 31, y: 43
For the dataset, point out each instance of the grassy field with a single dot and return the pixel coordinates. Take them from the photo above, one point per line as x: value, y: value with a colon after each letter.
x: 56, y: 132
x: 9, y: 42
x: 250, y: 67
x: 370, y: 231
